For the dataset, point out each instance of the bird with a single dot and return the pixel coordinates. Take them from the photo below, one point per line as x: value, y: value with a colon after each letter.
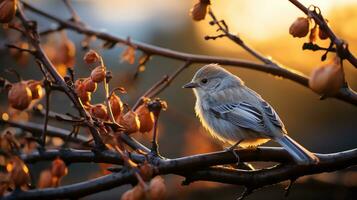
x: 235, y: 114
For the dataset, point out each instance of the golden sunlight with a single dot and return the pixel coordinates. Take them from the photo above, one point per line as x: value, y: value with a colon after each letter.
x: 254, y: 19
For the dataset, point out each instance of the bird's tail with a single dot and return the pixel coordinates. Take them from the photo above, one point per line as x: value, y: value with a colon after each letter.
x: 301, y: 155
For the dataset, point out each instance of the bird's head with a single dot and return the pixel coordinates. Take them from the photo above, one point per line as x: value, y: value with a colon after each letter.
x: 211, y: 78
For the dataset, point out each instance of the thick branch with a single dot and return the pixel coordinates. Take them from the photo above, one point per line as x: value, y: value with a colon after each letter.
x: 74, y: 156
x: 264, y: 177
x: 346, y: 94
x: 194, y: 168
x: 75, y: 190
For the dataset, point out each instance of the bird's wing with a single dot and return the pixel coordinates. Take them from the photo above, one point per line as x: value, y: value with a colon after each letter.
x: 241, y: 114
x: 272, y: 115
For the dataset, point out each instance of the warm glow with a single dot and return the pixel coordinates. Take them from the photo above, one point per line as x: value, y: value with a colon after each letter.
x: 5, y: 116
x: 260, y: 20
x: 26, y: 170
x: 9, y: 167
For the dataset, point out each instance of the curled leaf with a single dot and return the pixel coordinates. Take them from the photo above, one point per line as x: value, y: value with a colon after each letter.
x: 199, y: 10
x: 128, y: 55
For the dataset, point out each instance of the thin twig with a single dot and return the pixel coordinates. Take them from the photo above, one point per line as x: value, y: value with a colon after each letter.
x: 345, y: 94
x: 342, y: 47
x: 33, y: 39
x: 48, y: 96
x: 75, y: 16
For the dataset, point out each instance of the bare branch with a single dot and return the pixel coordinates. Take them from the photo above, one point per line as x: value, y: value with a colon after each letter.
x: 345, y: 94
x: 342, y: 46
x: 194, y: 168
x: 76, y: 190
x: 33, y: 38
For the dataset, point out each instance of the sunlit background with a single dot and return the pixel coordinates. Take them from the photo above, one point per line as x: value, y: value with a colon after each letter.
x: 321, y: 126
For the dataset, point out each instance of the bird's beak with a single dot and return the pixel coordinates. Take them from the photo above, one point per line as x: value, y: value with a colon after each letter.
x: 190, y: 85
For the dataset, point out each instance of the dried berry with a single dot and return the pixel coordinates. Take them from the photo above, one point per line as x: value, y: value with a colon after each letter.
x: 300, y: 27
x: 157, y: 188
x: 99, y: 111
x: 36, y: 89
x: 45, y: 180
x: 59, y: 168
x: 199, y: 10
x: 98, y: 74
x: 91, y: 57
x: 7, y: 10
x: 89, y: 85
x: 82, y: 93
x: 146, y: 118
x: 19, y: 173
x: 130, y: 121
x: 116, y: 105
x: 20, y: 96
x: 327, y: 79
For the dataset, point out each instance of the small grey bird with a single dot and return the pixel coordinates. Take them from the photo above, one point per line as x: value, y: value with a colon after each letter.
x: 235, y: 114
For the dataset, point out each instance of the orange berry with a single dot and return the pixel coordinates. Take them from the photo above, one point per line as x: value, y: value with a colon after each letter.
x: 98, y: 74
x: 45, y: 180
x: 89, y: 85
x: 36, y: 89
x: 19, y: 173
x: 91, y: 57
x: 199, y: 10
x: 146, y: 118
x: 130, y: 121
x: 20, y: 96
x: 116, y: 105
x: 82, y: 93
x: 327, y: 79
x: 300, y: 27
x: 99, y: 111
x: 59, y: 168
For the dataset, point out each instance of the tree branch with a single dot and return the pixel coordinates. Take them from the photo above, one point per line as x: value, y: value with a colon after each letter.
x: 75, y: 190
x: 342, y: 46
x: 33, y: 38
x: 36, y: 130
x: 194, y: 168
x: 346, y: 94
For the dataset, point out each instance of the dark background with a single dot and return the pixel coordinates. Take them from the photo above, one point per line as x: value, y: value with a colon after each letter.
x: 321, y: 126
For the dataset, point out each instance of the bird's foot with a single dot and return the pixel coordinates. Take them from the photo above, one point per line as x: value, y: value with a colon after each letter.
x: 232, y: 149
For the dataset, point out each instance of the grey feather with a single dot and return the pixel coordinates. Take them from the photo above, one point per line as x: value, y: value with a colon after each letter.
x: 298, y: 152
x: 241, y: 114
x: 272, y: 115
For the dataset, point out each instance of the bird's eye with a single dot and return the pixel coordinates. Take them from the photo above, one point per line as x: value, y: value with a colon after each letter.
x: 204, y: 81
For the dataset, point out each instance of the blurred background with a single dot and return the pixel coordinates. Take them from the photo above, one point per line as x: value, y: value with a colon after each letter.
x: 321, y: 126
